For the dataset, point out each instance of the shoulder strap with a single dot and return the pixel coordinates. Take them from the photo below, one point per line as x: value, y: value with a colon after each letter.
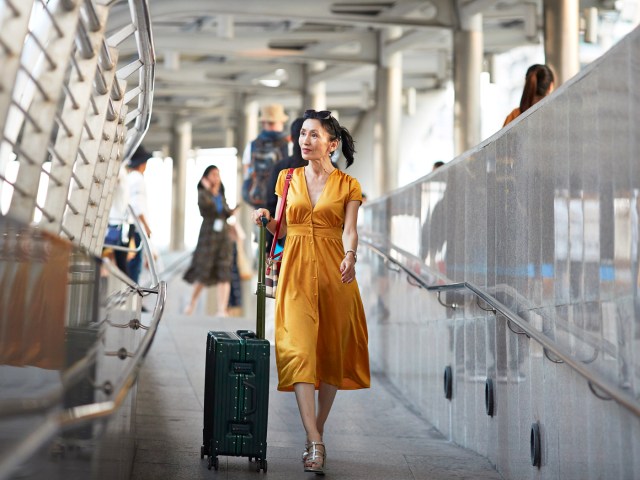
x: 281, y: 211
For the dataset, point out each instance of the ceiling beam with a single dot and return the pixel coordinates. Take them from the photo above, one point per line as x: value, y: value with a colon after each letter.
x: 316, y: 12
x: 258, y: 46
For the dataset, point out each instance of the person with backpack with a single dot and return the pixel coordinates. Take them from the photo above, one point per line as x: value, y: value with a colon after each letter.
x: 294, y: 160
x: 261, y: 155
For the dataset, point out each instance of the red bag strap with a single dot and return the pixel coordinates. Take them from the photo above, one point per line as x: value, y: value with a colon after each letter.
x: 281, y: 211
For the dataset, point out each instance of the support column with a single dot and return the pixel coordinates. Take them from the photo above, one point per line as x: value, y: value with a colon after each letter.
x: 179, y: 152
x: 248, y: 126
x: 389, y: 105
x: 248, y: 111
x: 315, y: 94
x: 561, y: 37
x: 467, y: 57
x: 251, y: 110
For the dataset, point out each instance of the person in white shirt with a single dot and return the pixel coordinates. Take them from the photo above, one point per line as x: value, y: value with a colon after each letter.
x: 118, y: 228
x: 138, y: 200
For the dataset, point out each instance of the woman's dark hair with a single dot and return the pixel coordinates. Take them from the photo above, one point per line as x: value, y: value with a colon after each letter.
x: 206, y: 172
x: 335, y: 130
x: 296, y: 126
x: 537, y: 84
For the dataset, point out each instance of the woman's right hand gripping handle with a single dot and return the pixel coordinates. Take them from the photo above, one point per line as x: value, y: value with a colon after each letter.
x: 261, y: 216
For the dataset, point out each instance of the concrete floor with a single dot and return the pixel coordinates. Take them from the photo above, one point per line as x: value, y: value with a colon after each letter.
x: 371, y: 434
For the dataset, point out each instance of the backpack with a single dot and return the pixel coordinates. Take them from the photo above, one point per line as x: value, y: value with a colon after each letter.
x: 265, y: 153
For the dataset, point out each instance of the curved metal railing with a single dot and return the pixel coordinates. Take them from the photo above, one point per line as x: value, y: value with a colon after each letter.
x: 71, y: 111
x: 144, y: 64
x: 58, y: 420
x: 79, y: 415
x: 595, y: 380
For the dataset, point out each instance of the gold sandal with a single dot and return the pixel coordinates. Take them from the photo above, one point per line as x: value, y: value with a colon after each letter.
x: 315, y: 460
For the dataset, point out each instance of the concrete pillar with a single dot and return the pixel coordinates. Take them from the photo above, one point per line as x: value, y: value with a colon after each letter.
x: 248, y: 111
x: 561, y: 37
x: 467, y: 58
x: 247, y: 130
x: 251, y: 111
x: 172, y: 60
x: 179, y: 152
x: 315, y: 93
x: 389, y: 106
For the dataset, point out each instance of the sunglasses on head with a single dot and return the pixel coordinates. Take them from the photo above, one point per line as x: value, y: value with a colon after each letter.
x: 320, y: 115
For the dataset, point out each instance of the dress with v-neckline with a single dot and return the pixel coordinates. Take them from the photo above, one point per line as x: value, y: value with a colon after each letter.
x: 320, y: 324
x: 306, y: 186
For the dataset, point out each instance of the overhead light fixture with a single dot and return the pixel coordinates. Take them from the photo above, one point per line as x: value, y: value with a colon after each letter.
x: 270, y: 82
x: 275, y: 79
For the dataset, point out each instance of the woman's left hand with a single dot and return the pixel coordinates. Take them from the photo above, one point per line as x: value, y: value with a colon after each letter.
x: 348, y: 269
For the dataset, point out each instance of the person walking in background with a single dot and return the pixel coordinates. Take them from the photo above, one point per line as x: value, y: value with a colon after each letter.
x: 138, y: 201
x: 261, y: 155
x: 294, y: 160
x: 538, y: 83
x: 321, y: 337
x: 211, y: 262
x: 235, y: 285
x: 118, y: 227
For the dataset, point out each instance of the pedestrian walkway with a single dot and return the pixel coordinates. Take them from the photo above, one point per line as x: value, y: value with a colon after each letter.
x: 371, y: 434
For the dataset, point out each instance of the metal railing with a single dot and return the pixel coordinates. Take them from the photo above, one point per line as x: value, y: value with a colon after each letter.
x: 596, y: 381
x: 56, y: 421
x: 69, y: 114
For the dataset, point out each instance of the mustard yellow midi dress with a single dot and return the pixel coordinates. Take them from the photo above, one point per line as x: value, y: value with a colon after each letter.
x: 320, y: 325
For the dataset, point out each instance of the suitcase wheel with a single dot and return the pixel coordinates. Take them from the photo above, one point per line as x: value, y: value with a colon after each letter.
x: 213, y: 462
x: 263, y: 464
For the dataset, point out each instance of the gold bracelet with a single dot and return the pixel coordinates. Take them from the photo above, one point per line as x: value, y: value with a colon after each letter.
x: 355, y: 255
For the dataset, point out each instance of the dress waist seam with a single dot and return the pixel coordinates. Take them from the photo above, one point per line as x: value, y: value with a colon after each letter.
x: 314, y: 231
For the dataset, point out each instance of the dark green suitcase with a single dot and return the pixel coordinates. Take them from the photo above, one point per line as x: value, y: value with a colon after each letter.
x: 236, y: 390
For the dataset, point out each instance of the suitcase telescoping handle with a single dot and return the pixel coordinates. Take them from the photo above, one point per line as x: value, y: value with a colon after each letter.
x: 262, y: 290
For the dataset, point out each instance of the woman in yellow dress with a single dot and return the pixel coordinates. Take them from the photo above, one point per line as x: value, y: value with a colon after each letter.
x: 321, y: 331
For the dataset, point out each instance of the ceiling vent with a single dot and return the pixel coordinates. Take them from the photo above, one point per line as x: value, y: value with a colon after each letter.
x: 371, y: 9
x: 289, y: 45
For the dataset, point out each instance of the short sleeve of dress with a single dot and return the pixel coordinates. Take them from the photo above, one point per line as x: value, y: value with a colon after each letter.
x: 280, y: 183
x: 355, y: 191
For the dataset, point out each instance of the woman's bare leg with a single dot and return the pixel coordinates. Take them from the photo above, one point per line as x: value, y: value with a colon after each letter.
x: 315, y: 455
x: 224, y: 289
x: 197, y: 289
x: 306, y: 398
x: 326, y: 396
